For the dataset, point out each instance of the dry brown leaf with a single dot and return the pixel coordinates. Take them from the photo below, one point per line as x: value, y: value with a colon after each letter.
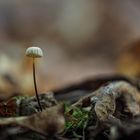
x: 49, y: 121
x: 107, y: 95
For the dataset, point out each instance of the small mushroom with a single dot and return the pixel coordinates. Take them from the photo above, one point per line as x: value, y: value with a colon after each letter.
x: 35, y: 52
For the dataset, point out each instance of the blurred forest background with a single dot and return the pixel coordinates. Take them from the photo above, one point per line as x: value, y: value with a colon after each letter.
x: 80, y: 39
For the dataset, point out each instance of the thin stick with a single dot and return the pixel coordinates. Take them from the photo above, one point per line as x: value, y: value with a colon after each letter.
x: 34, y: 77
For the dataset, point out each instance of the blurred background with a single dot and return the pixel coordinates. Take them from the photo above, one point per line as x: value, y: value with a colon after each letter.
x: 80, y: 39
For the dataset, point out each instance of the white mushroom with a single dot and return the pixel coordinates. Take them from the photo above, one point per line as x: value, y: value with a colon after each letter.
x: 35, y: 52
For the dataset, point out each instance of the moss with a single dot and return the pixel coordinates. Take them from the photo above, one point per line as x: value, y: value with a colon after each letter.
x: 76, y: 118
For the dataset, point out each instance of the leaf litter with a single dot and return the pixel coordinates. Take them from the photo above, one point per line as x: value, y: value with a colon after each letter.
x: 106, y: 109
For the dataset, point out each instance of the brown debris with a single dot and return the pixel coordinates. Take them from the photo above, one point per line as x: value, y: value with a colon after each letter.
x: 113, y: 108
x: 49, y: 121
x: 107, y: 95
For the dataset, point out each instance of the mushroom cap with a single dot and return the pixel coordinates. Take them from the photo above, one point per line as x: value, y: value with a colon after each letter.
x: 34, y: 52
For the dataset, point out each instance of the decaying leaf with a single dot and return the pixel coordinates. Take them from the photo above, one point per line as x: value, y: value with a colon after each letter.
x: 49, y: 121
x: 9, y: 108
x: 107, y: 95
x: 29, y: 105
x: 26, y: 105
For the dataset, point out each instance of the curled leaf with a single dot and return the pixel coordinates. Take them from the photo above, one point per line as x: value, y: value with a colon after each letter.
x: 49, y: 121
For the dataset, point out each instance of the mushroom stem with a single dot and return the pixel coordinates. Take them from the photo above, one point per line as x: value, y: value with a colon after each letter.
x: 34, y: 77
